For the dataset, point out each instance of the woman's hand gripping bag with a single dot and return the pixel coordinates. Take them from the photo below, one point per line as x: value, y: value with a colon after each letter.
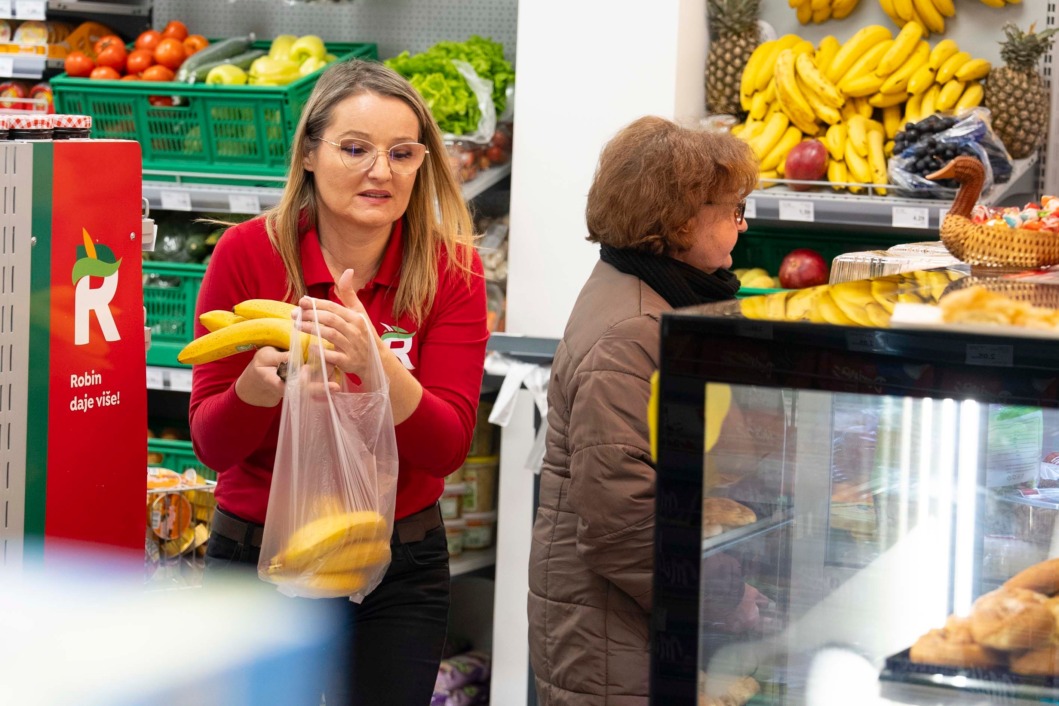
x: 334, y: 482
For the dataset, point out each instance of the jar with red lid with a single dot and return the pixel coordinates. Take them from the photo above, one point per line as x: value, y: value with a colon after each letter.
x: 72, y: 127
x: 32, y: 126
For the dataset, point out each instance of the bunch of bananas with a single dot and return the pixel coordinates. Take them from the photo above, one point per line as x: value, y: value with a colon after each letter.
x: 858, y: 303
x: 818, y: 11
x: 252, y: 324
x: 856, y: 96
x: 756, y: 278
x: 928, y: 14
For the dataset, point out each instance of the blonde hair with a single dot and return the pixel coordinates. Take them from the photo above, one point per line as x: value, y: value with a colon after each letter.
x: 436, y: 213
x: 654, y: 176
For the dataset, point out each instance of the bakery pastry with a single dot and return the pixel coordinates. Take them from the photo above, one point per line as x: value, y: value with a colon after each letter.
x: 1042, y: 577
x: 954, y: 648
x: 734, y: 692
x: 1044, y: 662
x: 727, y: 513
x: 1011, y: 619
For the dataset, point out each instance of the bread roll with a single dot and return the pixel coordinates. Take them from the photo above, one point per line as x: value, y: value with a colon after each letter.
x: 1043, y: 661
x: 948, y: 649
x: 1042, y: 578
x: 1011, y: 619
x: 727, y: 513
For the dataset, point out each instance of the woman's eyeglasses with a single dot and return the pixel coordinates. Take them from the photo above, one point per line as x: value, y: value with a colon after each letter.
x: 360, y: 155
x: 739, y: 213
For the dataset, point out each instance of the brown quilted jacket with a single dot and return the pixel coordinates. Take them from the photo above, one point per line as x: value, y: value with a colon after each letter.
x: 592, y: 555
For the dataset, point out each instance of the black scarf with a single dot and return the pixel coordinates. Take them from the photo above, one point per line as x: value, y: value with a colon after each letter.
x: 677, y: 282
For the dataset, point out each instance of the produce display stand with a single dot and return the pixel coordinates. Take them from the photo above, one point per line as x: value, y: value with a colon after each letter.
x: 75, y: 405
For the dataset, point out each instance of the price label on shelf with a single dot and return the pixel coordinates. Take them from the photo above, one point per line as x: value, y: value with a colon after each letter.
x: 244, y: 203
x: 180, y: 380
x: 155, y: 378
x: 751, y: 209
x: 754, y: 329
x: 7, y: 66
x: 176, y: 201
x: 989, y: 354
x: 861, y: 341
x: 942, y: 212
x: 29, y: 9
x: 911, y: 217
x: 6, y: 10
x: 797, y: 211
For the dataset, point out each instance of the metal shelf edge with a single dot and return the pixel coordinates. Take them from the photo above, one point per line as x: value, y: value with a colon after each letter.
x: 86, y: 7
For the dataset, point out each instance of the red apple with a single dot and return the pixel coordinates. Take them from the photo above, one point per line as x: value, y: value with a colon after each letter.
x: 803, y: 268
x: 807, y: 161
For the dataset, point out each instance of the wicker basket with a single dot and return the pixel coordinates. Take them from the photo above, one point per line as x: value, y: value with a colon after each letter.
x: 1021, y: 291
x: 989, y: 246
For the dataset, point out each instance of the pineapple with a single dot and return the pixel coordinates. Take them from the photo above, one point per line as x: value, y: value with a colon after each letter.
x: 1015, y: 93
x: 733, y: 37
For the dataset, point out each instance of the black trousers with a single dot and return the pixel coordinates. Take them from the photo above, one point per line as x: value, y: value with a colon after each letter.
x: 393, y: 641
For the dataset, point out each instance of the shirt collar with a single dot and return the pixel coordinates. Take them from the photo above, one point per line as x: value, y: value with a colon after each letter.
x: 315, y: 271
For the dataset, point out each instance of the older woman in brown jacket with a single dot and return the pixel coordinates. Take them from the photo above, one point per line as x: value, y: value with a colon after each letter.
x: 666, y: 207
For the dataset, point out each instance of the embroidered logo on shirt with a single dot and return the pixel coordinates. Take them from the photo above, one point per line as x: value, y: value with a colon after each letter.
x: 399, y: 342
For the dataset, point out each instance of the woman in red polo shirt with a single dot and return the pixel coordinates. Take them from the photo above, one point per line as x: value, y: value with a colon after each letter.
x: 371, y: 221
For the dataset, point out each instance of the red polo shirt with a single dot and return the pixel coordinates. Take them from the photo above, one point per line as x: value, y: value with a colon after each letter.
x: 446, y: 353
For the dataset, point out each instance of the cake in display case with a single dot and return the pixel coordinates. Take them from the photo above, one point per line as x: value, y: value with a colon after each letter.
x: 856, y: 515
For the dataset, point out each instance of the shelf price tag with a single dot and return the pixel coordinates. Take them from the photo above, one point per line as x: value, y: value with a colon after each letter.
x: 155, y: 378
x: 244, y: 203
x: 5, y: 11
x: 751, y: 209
x: 180, y: 380
x: 942, y: 212
x: 176, y: 201
x: 7, y: 66
x: 990, y: 354
x: 911, y: 217
x: 797, y: 211
x: 861, y: 341
x: 29, y: 9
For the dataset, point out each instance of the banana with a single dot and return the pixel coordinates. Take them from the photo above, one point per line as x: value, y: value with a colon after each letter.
x: 864, y: 108
x: 930, y: 15
x: 950, y: 94
x: 770, y: 91
x: 857, y: 165
x: 333, y: 585
x: 888, y: 7
x: 826, y: 51
x: 886, y: 100
x: 877, y: 160
x: 922, y: 79
x: 241, y: 337
x: 758, y: 106
x: 848, y: 111
x: 802, y: 47
x: 951, y: 65
x: 993, y: 3
x: 904, y: 9
x: 906, y: 42
x: 747, y: 86
x: 929, y: 105
x: 941, y: 52
x: 897, y: 82
x: 820, y: 108
x: 866, y: 85
x: 776, y: 305
x: 218, y: 319
x: 877, y: 315
x: 790, y: 97
x: 809, y: 73
x: 912, y: 107
x: 765, y: 69
x: 827, y: 311
x: 767, y: 180
x: 800, y: 303
x: 840, y: 9
x: 945, y: 7
x: 822, y: 15
x: 805, y: 14
x: 775, y: 127
x: 264, y: 309
x: 884, y: 292
x: 888, y: 148
x: 851, y: 298
x: 973, y: 70
x: 753, y: 307
x: 776, y: 156
x: 866, y: 64
x: 737, y: 130
x: 857, y: 137
x: 315, y: 539
x: 836, y: 173
x: 863, y: 40
x: 972, y: 96
x: 891, y: 120
x: 347, y: 557
x: 835, y: 139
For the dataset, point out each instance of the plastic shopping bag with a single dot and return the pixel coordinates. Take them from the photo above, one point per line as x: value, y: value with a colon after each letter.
x: 334, y: 482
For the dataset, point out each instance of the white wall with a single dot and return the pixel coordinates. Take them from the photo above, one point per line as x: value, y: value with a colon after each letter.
x: 585, y: 69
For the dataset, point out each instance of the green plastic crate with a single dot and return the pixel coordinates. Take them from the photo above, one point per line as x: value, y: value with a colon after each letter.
x: 170, y: 290
x: 178, y: 456
x: 228, y: 131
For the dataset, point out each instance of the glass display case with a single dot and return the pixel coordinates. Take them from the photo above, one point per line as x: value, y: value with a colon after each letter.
x: 857, y: 514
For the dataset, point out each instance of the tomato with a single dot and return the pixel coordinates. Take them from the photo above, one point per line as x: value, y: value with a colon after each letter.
x: 176, y: 29
x: 158, y: 72
x: 139, y: 61
x: 113, y: 56
x: 77, y: 63
x: 106, y: 41
x: 195, y: 42
x: 131, y: 77
x: 148, y: 39
x: 164, y: 101
x: 170, y: 53
x: 105, y: 72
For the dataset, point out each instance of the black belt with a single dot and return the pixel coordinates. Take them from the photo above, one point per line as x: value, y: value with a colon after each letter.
x: 409, y: 529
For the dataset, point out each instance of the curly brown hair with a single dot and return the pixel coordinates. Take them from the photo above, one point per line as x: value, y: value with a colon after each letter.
x: 654, y: 176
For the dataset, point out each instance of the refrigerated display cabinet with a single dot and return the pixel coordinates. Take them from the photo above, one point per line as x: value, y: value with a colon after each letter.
x: 829, y: 494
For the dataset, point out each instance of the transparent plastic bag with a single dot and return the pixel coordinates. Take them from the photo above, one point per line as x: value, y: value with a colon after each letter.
x: 483, y: 92
x: 334, y: 482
